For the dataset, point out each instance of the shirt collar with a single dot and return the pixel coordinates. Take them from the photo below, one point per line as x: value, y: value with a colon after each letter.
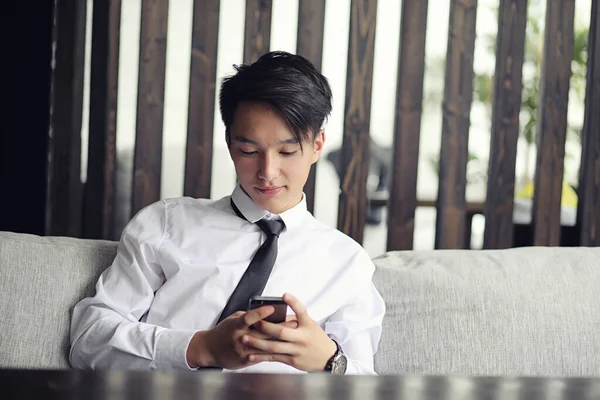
x: 292, y: 217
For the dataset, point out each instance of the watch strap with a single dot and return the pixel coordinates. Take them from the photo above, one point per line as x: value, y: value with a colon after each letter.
x: 334, y: 357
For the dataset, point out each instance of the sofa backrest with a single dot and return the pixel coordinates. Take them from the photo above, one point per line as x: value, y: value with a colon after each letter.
x: 41, y: 279
x: 518, y: 312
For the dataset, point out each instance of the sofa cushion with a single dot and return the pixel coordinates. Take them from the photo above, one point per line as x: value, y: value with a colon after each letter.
x: 525, y: 311
x: 41, y: 279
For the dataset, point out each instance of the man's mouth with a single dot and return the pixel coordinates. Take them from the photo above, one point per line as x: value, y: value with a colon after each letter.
x: 269, y: 191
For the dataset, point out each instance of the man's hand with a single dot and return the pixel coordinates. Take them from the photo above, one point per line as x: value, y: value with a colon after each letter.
x: 306, y: 347
x: 222, y: 346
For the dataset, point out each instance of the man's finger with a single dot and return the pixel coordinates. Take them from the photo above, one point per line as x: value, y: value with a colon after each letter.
x: 259, y: 335
x: 279, y: 331
x: 292, y: 324
x: 253, y: 316
x: 291, y: 317
x: 269, y: 346
x: 298, y: 308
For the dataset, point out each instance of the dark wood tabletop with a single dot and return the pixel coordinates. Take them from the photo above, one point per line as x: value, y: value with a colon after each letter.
x: 23, y: 384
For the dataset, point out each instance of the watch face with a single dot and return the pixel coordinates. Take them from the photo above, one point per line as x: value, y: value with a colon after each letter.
x: 339, y: 365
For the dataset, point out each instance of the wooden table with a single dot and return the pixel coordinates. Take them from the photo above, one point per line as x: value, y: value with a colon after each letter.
x: 16, y: 384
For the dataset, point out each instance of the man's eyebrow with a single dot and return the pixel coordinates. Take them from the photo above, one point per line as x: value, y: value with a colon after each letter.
x: 289, y: 141
x: 244, y: 139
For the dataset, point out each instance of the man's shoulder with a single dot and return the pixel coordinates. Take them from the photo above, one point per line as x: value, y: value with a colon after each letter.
x: 339, y: 254
x: 336, y: 238
x: 191, y: 203
x: 189, y: 211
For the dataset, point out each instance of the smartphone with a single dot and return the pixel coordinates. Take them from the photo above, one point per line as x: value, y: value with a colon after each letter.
x: 280, y: 307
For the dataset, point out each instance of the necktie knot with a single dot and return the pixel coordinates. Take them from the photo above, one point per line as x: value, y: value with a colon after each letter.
x: 271, y: 226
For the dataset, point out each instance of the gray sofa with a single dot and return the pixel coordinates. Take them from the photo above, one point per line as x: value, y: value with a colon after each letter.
x: 528, y: 311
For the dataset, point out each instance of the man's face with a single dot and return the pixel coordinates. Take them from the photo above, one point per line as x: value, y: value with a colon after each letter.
x: 270, y: 165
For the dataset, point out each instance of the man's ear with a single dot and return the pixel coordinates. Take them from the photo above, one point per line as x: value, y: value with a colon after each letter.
x: 318, y: 145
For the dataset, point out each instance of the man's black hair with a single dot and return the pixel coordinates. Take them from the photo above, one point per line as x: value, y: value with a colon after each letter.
x: 288, y: 82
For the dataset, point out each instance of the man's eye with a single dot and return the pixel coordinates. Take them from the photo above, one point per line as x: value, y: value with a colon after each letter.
x: 288, y: 153
x: 248, y: 153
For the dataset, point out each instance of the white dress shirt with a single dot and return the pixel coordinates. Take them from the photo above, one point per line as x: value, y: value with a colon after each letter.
x: 178, y: 262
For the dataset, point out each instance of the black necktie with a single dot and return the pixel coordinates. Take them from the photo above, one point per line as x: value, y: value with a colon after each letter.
x: 257, y: 274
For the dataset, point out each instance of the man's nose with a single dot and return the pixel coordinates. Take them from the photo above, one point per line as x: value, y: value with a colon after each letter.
x: 269, y: 168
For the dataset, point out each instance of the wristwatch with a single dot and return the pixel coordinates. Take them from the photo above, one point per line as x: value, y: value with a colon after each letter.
x: 338, y: 362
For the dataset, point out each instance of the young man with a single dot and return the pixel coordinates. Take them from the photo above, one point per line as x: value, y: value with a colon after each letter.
x: 179, y: 260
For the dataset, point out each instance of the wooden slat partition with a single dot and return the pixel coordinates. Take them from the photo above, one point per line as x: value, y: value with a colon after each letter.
x: 552, y: 124
x: 357, y: 115
x: 64, y: 197
x: 409, y: 100
x: 458, y: 94
x: 100, y: 186
x: 257, y: 36
x: 150, y: 104
x: 203, y: 75
x: 589, y: 185
x: 63, y: 206
x: 311, y: 25
x: 506, y: 106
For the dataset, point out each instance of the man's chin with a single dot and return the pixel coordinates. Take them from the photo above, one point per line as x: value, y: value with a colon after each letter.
x: 271, y: 205
x: 275, y: 204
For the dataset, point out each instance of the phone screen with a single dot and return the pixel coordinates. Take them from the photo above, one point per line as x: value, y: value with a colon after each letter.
x: 280, y: 307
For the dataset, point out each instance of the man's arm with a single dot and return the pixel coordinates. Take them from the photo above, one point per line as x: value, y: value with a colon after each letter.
x: 105, y: 329
x: 356, y: 326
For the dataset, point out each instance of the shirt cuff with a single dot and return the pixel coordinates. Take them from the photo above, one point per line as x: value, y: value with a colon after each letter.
x: 171, y: 349
x: 354, y: 367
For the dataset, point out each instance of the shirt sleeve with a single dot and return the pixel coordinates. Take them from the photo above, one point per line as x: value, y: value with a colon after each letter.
x: 357, y: 325
x: 106, y: 331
